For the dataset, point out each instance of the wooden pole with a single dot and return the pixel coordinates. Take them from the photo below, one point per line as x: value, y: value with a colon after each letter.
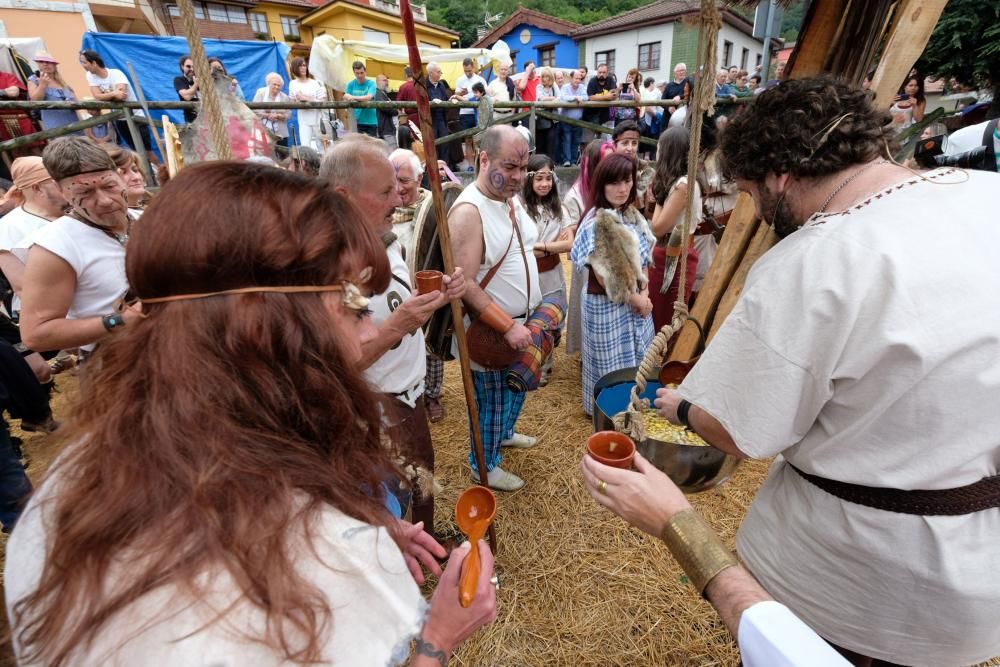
x: 145, y: 108
x: 911, y: 29
x: 62, y: 130
x: 444, y: 236
x: 140, y: 149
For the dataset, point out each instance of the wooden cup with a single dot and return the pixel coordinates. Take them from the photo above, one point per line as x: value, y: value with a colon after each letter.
x: 612, y: 449
x: 429, y: 281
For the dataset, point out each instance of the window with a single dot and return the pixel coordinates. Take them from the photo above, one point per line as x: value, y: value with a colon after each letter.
x: 290, y: 29
x: 547, y: 57
x: 649, y: 56
x: 258, y: 22
x: 727, y: 54
x: 372, y: 35
x: 199, y: 10
x: 236, y: 14
x: 759, y: 58
x: 217, y: 12
x: 744, y: 59
x: 605, y: 58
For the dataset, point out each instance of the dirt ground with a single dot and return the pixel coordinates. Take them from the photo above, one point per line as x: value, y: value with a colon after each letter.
x: 579, y: 587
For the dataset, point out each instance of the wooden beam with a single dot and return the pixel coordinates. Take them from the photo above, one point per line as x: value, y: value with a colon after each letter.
x: 740, y: 230
x: 820, y: 29
x: 762, y: 241
x: 912, y: 25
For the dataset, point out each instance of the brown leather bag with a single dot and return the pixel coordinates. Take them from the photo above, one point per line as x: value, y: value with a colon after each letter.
x: 487, y: 346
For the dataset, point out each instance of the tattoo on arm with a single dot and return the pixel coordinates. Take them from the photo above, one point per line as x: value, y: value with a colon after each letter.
x: 429, y: 650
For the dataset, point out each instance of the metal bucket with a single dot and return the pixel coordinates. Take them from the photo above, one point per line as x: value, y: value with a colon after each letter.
x: 691, y: 468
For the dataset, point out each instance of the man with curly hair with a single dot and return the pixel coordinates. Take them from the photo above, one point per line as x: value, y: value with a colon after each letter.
x: 849, y: 355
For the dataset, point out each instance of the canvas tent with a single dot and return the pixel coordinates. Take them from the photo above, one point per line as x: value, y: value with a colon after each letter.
x: 330, y: 60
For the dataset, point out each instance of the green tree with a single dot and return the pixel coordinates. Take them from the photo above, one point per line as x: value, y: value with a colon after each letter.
x: 965, y: 46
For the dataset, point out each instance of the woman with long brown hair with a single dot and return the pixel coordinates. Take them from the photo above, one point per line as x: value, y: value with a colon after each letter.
x: 219, y: 496
x: 613, y: 248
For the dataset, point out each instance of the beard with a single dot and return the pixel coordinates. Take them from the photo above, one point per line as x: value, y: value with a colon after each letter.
x: 781, y: 217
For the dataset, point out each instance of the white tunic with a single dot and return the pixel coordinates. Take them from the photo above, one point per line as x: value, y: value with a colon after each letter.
x: 864, y: 348
x: 509, y: 286
x: 376, y: 606
x: 97, y: 259
x: 400, y: 371
x: 14, y: 228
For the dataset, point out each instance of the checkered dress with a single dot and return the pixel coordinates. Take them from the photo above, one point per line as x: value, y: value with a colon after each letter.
x: 614, y: 335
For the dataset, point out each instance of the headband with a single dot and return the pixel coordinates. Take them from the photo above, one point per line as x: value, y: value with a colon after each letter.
x: 353, y: 298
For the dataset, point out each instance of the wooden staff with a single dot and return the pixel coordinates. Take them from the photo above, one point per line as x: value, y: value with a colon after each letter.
x: 444, y: 236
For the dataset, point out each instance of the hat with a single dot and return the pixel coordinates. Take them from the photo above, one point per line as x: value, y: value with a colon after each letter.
x: 25, y: 172
x: 44, y: 57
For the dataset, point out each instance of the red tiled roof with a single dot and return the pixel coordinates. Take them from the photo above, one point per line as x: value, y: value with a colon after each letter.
x: 531, y: 17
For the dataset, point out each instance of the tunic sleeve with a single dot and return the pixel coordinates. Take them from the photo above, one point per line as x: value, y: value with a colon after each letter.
x: 583, y: 244
x: 769, y: 371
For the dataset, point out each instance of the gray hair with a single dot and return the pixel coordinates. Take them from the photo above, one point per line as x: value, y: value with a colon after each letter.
x: 71, y: 156
x: 401, y: 154
x: 272, y: 76
x: 433, y: 65
x: 342, y: 162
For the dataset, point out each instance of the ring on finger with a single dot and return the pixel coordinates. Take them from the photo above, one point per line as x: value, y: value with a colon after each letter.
x: 495, y: 580
x: 603, y: 487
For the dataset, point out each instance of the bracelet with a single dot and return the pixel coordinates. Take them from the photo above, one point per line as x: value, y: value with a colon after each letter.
x: 697, y: 548
x: 682, y: 413
x: 113, y: 320
x: 494, y: 317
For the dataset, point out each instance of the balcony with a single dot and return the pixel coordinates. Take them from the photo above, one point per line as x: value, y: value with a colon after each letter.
x: 419, y: 11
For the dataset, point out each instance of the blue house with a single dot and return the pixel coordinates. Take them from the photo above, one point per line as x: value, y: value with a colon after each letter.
x: 535, y: 36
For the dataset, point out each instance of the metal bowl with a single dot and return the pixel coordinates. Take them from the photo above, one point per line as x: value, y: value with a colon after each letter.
x: 691, y: 468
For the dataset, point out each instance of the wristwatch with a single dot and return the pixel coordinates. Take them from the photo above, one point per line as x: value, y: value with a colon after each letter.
x: 113, y: 320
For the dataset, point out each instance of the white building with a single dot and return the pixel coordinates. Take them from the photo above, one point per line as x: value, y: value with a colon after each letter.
x: 656, y: 36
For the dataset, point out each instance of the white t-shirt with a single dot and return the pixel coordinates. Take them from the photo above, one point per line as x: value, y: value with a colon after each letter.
x: 468, y: 82
x: 97, y: 259
x: 108, y: 84
x: 402, y: 368
x: 376, y: 606
x: 864, y: 349
x: 497, y: 91
x: 509, y: 285
x: 14, y: 228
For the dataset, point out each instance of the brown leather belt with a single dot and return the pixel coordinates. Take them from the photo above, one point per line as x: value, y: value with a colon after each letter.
x: 547, y: 263
x: 594, y: 287
x: 975, y: 497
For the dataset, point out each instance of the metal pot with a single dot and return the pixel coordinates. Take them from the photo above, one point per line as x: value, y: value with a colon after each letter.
x: 691, y: 468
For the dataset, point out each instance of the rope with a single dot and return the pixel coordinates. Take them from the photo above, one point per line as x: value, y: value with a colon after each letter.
x: 208, y: 94
x: 702, y: 102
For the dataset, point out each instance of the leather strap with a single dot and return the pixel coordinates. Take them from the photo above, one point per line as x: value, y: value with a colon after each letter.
x: 975, y: 497
x: 547, y: 263
x: 496, y: 267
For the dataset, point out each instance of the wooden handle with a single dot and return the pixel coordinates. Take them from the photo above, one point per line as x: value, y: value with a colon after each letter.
x: 470, y: 576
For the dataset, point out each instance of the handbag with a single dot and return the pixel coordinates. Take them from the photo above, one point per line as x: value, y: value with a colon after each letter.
x: 487, y: 346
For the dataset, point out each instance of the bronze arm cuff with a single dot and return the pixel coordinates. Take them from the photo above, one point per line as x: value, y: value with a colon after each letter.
x: 494, y: 317
x: 697, y: 548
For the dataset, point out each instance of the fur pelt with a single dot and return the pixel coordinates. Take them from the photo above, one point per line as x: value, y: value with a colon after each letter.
x: 616, y: 259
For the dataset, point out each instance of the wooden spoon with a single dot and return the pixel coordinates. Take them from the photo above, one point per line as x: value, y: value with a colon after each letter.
x: 474, y: 512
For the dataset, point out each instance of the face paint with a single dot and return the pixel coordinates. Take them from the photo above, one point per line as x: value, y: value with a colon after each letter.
x: 100, y: 198
x: 497, y: 180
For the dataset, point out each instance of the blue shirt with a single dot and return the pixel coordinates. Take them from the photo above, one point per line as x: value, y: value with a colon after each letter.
x: 363, y: 116
x: 567, y: 94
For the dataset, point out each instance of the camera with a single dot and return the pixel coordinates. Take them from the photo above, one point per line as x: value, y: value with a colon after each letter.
x: 931, y: 153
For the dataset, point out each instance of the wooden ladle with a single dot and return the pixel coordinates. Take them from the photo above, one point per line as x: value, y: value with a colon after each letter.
x: 474, y: 512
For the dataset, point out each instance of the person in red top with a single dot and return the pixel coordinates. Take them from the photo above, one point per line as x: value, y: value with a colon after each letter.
x: 407, y: 93
x: 527, y: 87
x: 11, y: 88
